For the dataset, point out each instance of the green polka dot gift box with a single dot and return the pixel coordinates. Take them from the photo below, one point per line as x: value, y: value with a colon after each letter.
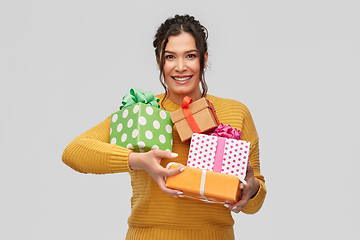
x: 141, y: 125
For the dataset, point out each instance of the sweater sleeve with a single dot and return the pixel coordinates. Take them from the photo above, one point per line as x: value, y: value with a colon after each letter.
x: 91, y: 152
x: 250, y: 134
x: 237, y: 115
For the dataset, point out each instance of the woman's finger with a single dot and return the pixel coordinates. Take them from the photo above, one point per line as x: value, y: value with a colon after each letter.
x: 161, y: 182
x: 174, y: 171
x: 244, y: 198
x: 164, y: 154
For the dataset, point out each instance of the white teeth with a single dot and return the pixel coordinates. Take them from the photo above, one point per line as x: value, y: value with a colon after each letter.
x: 182, y: 79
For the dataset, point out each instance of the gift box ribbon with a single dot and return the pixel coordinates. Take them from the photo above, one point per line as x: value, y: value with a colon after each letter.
x: 213, y: 111
x: 220, y: 146
x: 138, y: 95
x: 216, y: 155
x: 189, y: 117
x: 218, y: 158
x: 226, y: 131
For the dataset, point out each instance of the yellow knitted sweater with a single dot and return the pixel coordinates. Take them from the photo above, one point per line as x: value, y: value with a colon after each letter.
x: 154, y: 214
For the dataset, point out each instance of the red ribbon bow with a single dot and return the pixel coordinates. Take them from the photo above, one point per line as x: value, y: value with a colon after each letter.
x: 188, y: 115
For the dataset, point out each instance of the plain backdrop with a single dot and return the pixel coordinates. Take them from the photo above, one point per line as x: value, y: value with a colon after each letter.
x: 65, y: 66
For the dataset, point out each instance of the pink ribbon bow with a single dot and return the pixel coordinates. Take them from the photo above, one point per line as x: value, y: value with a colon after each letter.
x: 226, y: 131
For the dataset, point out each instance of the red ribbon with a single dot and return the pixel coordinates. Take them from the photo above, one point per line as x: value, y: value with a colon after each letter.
x: 213, y: 111
x: 188, y: 115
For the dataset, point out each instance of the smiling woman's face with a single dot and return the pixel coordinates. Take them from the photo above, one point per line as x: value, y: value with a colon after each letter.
x: 182, y: 68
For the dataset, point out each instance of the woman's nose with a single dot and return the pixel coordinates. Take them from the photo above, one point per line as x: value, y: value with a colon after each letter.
x: 180, y: 65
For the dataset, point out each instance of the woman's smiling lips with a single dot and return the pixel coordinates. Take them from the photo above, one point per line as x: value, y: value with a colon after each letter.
x: 181, y: 78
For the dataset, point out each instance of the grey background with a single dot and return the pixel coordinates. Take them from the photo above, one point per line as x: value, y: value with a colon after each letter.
x: 65, y: 65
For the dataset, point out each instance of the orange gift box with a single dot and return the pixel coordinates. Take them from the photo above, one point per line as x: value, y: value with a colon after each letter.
x: 194, y: 117
x: 207, y: 186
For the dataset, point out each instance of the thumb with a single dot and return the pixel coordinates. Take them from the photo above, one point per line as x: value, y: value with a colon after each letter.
x: 165, y: 154
x: 174, y: 171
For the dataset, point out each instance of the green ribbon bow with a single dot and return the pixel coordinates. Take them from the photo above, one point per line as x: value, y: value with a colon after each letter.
x: 138, y: 95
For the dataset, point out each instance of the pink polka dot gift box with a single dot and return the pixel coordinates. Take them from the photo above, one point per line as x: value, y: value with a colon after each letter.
x: 219, y: 154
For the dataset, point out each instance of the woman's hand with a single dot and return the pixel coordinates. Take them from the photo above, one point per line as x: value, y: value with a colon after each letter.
x: 248, y: 190
x: 150, y: 162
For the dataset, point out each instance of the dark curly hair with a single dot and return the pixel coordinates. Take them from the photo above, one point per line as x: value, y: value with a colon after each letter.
x: 173, y: 27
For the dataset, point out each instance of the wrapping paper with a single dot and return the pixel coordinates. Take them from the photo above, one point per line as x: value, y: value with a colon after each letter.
x: 218, y: 154
x: 198, y: 116
x: 141, y: 125
x: 207, y: 186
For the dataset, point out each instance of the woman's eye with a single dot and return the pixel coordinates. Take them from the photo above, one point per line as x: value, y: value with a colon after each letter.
x: 169, y: 57
x: 191, y: 56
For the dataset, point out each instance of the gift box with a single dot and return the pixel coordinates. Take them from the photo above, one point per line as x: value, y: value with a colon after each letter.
x: 219, y: 154
x: 141, y: 125
x: 194, y: 117
x: 207, y: 186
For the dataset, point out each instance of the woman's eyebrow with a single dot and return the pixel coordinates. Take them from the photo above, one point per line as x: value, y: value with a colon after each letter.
x: 189, y: 51
x: 193, y: 50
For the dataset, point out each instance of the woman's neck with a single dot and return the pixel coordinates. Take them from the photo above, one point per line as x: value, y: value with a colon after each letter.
x: 178, y: 99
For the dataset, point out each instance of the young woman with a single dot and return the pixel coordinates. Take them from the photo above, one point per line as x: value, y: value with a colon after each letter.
x: 158, y: 212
